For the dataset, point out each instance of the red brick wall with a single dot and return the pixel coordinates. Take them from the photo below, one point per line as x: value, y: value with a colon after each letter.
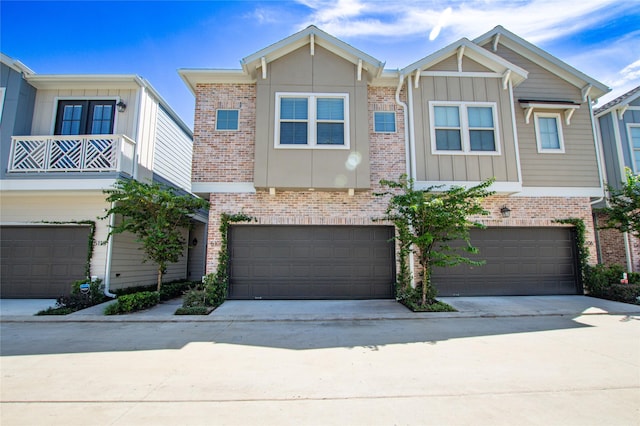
x: 612, y: 247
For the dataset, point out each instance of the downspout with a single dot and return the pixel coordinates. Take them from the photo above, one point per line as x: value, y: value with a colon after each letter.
x: 412, y: 133
x: 107, y: 271
x: 408, y: 154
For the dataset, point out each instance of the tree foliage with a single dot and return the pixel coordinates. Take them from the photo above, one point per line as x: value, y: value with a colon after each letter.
x: 624, y: 206
x: 428, y: 221
x: 156, y: 215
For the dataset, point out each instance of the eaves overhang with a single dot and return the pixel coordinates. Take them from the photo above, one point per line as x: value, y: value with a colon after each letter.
x: 194, y: 76
x: 466, y: 48
x: 499, y: 35
x: 255, y: 64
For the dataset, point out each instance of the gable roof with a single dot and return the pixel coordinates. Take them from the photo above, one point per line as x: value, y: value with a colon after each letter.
x: 309, y: 35
x: 619, y: 102
x: 474, y: 52
x: 544, y: 59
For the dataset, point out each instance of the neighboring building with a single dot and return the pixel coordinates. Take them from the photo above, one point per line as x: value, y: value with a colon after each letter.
x: 618, y: 124
x: 301, y: 136
x: 65, y: 138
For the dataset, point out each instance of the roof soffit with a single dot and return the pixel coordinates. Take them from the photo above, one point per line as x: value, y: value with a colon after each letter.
x: 470, y: 50
x: 543, y: 59
x: 252, y: 63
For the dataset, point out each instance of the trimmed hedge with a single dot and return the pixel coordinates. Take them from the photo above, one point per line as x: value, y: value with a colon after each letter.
x: 168, y: 291
x: 133, y: 302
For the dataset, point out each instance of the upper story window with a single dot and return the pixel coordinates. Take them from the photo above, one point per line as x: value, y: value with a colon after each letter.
x: 384, y: 122
x: 464, y: 128
x: 84, y: 117
x: 634, y: 141
x: 227, y: 119
x: 312, y: 120
x: 549, y: 132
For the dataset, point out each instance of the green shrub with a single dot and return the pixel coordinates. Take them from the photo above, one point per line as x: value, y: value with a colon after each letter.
x: 412, y: 299
x: 194, y: 310
x: 627, y: 293
x: 168, y: 291
x: 194, y: 297
x: 58, y: 310
x: 216, y: 290
x: 78, y: 299
x: 133, y: 302
x: 604, y: 282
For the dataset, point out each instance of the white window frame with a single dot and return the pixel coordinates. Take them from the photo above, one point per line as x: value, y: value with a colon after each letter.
x: 237, y: 123
x: 395, y: 121
x: 312, y: 120
x: 464, y: 127
x: 632, y: 150
x: 556, y: 115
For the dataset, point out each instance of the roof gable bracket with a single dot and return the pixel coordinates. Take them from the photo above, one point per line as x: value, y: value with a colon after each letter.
x: 505, y: 79
x: 496, y: 39
x: 621, y: 112
x: 460, y: 55
x: 416, y: 79
x: 585, y: 92
x: 312, y: 44
x: 359, y: 69
x: 263, y: 64
x: 567, y: 115
x: 527, y: 114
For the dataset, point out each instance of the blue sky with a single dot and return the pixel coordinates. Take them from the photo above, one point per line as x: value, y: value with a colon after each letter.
x: 155, y: 38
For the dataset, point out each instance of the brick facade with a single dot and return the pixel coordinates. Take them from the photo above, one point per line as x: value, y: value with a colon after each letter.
x: 228, y: 157
x: 612, y: 247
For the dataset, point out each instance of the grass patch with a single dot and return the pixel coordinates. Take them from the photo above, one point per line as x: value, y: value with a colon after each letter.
x: 437, y: 306
x: 194, y: 310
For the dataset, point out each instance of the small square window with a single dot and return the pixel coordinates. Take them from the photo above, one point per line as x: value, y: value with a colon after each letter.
x: 384, y: 122
x: 549, y: 132
x: 227, y: 119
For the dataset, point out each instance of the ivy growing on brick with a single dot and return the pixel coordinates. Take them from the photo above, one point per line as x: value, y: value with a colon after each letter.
x: 581, y: 242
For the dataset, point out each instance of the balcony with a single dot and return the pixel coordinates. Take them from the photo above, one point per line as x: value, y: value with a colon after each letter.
x: 76, y: 153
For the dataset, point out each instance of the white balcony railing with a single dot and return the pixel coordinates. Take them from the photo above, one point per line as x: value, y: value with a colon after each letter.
x: 76, y: 153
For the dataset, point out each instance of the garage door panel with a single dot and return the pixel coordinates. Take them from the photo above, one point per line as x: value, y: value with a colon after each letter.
x: 322, y: 262
x: 519, y: 261
x: 42, y: 261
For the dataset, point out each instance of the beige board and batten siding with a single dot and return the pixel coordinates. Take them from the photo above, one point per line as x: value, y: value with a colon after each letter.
x: 294, y: 168
x: 46, y: 107
x: 57, y: 208
x: 129, y: 269
x: 577, y: 166
x: 172, y: 159
x: 468, y: 167
x: 146, y: 135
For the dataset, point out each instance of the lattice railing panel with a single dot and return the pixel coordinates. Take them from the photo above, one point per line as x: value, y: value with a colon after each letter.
x: 28, y: 155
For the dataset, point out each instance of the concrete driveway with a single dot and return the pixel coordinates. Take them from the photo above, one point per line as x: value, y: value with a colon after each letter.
x: 551, y: 369
x: 311, y: 310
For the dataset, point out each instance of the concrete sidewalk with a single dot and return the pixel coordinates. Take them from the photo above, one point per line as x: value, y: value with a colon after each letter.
x: 325, y: 310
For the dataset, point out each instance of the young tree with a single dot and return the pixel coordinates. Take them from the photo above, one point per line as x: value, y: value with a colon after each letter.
x: 427, y: 221
x: 624, y: 206
x: 155, y: 214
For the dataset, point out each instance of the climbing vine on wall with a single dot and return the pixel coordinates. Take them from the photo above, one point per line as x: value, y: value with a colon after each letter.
x: 222, y: 273
x: 581, y: 241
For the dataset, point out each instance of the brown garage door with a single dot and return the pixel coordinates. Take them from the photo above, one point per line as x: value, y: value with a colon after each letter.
x: 41, y: 261
x: 311, y: 262
x: 519, y: 261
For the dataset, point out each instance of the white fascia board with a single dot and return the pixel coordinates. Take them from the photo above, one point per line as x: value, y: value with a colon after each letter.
x: 222, y: 187
x: 552, y: 191
x: 499, y: 187
x: 192, y: 77
x: 302, y: 38
x: 84, y: 81
x: 619, y: 102
x: 15, y: 65
x: 56, y: 184
x: 544, y: 59
x: 388, y: 78
x: 474, y: 52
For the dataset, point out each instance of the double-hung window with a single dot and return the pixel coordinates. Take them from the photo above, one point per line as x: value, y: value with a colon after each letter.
x: 549, y: 132
x: 464, y: 128
x: 318, y: 120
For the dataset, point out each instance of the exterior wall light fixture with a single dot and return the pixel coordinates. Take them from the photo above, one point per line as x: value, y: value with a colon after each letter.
x: 505, y: 211
x: 121, y: 106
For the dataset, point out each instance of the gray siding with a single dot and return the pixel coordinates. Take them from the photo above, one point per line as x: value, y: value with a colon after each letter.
x: 323, y: 72
x: 578, y: 166
x: 173, y: 151
x: 629, y: 117
x: 17, y: 111
x: 609, y: 150
x: 468, y: 167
